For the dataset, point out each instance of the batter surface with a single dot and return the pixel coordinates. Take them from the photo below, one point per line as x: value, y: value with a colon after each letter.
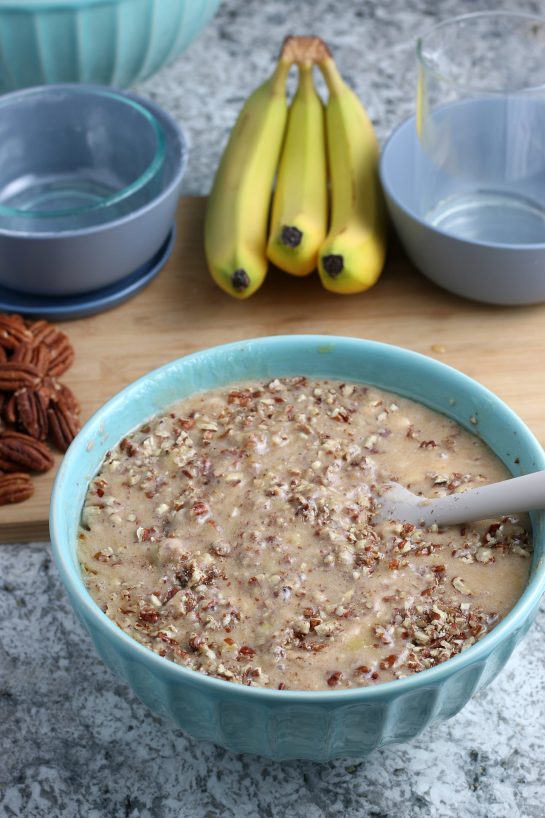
x: 234, y: 535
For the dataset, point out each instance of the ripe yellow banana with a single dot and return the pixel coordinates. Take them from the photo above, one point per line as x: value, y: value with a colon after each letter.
x: 237, y: 214
x: 299, y: 210
x: 352, y: 256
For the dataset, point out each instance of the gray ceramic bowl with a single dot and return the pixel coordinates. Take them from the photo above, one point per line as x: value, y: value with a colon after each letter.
x: 90, y: 189
x: 507, y: 274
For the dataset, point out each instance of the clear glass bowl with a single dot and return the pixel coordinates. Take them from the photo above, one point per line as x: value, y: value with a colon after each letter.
x: 480, y: 162
x: 74, y: 157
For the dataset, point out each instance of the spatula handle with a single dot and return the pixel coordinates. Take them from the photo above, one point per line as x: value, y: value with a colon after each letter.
x: 518, y: 494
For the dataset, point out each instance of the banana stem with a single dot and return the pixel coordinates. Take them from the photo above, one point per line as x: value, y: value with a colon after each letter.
x: 334, y: 81
x: 304, y: 49
x: 305, y: 78
x: 279, y: 76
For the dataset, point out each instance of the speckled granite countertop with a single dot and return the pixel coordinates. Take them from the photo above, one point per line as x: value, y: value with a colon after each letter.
x: 74, y: 741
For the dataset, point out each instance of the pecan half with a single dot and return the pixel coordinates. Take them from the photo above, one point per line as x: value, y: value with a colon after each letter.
x: 38, y: 356
x: 42, y: 332
x: 7, y: 466
x: 23, y: 354
x: 3, y: 355
x: 15, y: 488
x: 61, y: 393
x: 63, y: 425
x: 31, y: 405
x: 59, y: 347
x: 9, y: 410
x: 12, y: 331
x: 41, y: 358
x: 69, y: 399
x: 15, y: 375
x: 62, y: 357
x: 18, y: 448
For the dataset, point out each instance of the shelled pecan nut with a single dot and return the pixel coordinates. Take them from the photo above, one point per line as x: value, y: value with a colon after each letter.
x: 62, y: 357
x: 32, y: 401
x: 38, y: 356
x: 7, y: 466
x: 56, y: 342
x: 67, y: 397
x: 9, y: 409
x: 15, y: 488
x: 61, y: 393
x: 31, y: 407
x: 63, y: 425
x: 15, y: 375
x: 13, y: 331
x: 16, y: 447
x: 41, y: 359
x: 42, y: 332
x: 23, y: 354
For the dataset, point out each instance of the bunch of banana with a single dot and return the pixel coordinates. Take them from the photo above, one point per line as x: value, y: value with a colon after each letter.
x: 300, y: 147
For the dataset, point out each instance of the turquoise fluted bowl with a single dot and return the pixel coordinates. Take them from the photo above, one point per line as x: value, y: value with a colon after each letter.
x: 110, y: 42
x: 295, y: 724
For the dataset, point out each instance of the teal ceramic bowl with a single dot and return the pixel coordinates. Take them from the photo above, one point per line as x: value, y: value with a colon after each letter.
x: 296, y: 724
x: 111, y: 42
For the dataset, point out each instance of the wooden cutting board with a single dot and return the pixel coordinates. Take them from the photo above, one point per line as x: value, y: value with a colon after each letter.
x: 182, y: 311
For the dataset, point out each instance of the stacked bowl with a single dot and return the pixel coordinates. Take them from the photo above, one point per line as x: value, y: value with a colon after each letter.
x: 88, y: 189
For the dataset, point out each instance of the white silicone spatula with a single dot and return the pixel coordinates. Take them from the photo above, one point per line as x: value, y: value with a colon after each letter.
x: 525, y: 493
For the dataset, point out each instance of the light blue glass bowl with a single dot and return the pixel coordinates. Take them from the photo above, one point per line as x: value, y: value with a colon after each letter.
x: 295, y: 724
x: 111, y: 42
x: 75, y: 156
x: 88, y: 187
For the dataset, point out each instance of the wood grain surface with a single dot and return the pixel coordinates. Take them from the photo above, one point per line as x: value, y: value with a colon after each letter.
x: 182, y: 311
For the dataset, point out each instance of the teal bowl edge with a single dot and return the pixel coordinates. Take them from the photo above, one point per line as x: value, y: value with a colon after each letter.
x: 314, y: 725
x: 111, y: 42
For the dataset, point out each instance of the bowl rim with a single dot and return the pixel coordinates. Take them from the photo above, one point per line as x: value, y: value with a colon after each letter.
x: 75, y: 586
x: 389, y: 148
x: 37, y: 7
x: 175, y: 141
x: 44, y: 92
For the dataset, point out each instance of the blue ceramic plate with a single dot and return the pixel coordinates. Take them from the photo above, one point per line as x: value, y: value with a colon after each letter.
x: 79, y: 306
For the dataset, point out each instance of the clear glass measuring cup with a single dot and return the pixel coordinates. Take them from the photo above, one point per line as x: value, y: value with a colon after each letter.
x: 480, y: 164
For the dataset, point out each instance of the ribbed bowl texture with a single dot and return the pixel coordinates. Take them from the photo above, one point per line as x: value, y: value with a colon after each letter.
x: 111, y: 42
